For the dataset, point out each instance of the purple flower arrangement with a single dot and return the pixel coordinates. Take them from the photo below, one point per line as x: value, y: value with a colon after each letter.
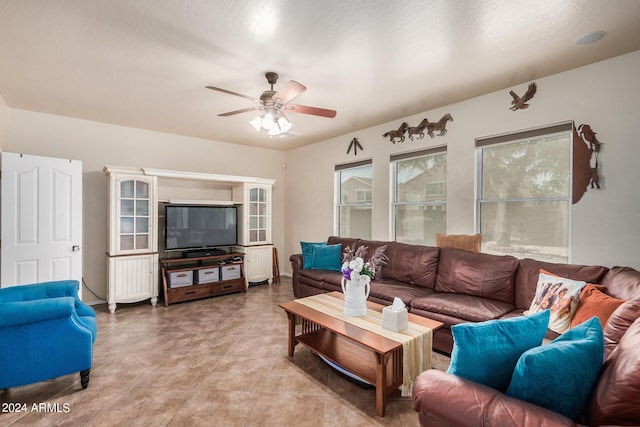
x: 355, y: 269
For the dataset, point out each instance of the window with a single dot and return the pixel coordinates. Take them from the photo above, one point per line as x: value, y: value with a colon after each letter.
x: 353, y: 202
x: 420, y: 196
x: 524, y: 190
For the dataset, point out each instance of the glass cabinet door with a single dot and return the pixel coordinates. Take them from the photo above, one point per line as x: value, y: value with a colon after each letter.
x: 134, y: 215
x: 257, y: 215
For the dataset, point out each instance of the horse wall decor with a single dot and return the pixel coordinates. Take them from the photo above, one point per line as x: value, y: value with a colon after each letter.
x: 440, y: 126
x: 398, y: 133
x: 589, y: 136
x: 418, y: 130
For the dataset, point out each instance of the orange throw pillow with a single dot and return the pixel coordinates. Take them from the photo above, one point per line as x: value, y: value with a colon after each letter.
x: 594, y: 302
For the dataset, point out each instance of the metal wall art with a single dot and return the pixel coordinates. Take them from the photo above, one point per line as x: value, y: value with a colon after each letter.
x: 397, y: 133
x: 520, y: 102
x: 439, y: 126
x: 418, y: 130
x: 355, y: 144
x: 589, y: 136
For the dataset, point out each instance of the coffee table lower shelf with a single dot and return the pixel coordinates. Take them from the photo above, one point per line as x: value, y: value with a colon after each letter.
x: 375, y: 359
x: 353, y: 357
x: 382, y: 370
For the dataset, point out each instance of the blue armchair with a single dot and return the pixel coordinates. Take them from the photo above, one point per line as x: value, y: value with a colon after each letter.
x: 46, y: 331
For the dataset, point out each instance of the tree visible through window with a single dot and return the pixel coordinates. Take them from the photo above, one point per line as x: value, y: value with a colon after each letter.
x: 524, y: 195
x: 420, y: 196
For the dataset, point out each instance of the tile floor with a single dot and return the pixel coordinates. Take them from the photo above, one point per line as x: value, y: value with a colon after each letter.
x: 213, y: 362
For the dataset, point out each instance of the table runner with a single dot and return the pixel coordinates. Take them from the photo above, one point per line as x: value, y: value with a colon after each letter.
x: 416, y: 340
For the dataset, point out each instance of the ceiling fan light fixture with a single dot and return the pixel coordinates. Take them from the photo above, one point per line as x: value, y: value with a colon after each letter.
x: 272, y: 105
x: 284, y: 124
x: 256, y: 123
x: 268, y: 121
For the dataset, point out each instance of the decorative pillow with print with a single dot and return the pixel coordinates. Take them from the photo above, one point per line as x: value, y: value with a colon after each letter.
x: 559, y: 295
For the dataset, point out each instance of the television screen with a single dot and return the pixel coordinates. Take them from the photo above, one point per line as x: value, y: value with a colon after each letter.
x: 192, y: 227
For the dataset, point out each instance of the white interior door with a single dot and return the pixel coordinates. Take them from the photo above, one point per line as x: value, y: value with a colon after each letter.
x: 41, y: 218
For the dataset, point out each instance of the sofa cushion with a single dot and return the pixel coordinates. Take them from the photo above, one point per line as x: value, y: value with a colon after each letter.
x: 559, y: 376
x: 487, y: 352
x: 344, y: 241
x: 413, y: 264
x: 313, y: 276
x: 483, y: 275
x: 385, y: 290
x: 466, y: 307
x: 594, y: 302
x: 623, y: 283
x: 558, y: 294
x: 616, y: 396
x: 618, y: 323
x: 332, y: 281
x: 529, y: 269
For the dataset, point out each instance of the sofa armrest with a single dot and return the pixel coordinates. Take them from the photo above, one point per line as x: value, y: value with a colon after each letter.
x: 26, y: 312
x: 296, y: 262
x: 447, y: 399
x: 83, y: 309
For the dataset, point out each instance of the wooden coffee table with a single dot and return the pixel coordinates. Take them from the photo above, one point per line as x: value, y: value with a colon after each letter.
x: 374, y: 358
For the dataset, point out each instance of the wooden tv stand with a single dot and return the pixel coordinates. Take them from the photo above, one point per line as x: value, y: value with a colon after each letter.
x: 202, y: 290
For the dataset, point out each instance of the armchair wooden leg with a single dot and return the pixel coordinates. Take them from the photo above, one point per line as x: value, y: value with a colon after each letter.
x: 84, y: 378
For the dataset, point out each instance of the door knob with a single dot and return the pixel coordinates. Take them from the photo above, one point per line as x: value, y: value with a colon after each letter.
x: 75, y: 248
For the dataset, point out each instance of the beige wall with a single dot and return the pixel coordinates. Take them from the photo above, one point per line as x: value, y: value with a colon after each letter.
x: 98, y: 144
x: 4, y: 123
x: 604, y: 224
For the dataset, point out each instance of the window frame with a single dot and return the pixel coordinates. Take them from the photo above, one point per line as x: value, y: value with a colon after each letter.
x: 515, y: 137
x: 413, y: 155
x: 339, y: 203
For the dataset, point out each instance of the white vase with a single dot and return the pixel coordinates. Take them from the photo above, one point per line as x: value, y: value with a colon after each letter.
x: 355, y: 297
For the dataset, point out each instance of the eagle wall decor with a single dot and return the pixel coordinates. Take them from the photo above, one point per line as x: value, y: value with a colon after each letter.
x: 520, y: 102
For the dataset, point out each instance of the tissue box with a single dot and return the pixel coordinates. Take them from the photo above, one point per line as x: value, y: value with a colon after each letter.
x: 395, y: 320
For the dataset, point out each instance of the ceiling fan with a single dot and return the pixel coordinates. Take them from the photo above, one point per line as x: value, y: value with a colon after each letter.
x: 273, y: 106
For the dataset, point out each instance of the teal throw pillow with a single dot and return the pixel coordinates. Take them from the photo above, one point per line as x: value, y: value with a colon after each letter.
x: 320, y: 256
x: 559, y: 376
x: 307, y: 252
x: 487, y: 352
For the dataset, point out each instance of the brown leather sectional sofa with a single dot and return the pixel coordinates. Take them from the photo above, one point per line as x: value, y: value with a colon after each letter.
x: 442, y: 399
x: 455, y: 286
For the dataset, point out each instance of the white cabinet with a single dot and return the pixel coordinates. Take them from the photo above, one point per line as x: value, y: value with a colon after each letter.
x: 258, y: 264
x: 254, y: 231
x: 254, y: 213
x: 132, y: 278
x: 133, y: 228
x: 133, y: 236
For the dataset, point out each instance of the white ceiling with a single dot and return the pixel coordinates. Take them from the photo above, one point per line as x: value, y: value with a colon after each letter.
x: 145, y: 63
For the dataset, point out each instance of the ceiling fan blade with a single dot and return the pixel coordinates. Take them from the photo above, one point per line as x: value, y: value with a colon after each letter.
x: 290, y: 91
x: 244, y: 110
x: 232, y: 93
x: 311, y: 110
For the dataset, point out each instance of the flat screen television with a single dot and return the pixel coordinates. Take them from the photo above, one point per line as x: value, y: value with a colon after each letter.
x: 200, y: 227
